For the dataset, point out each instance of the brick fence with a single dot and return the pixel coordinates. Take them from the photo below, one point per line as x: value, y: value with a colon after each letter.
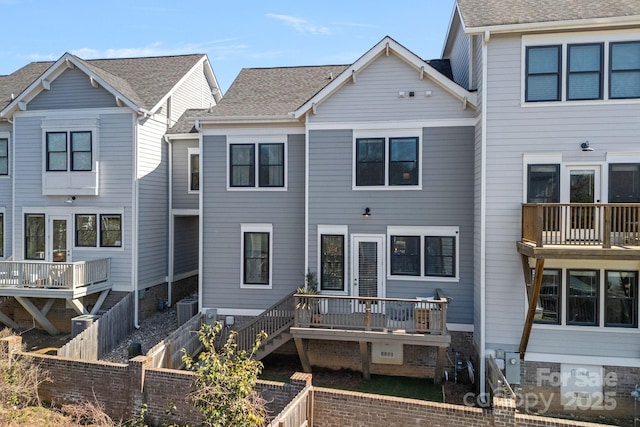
x: 123, y: 388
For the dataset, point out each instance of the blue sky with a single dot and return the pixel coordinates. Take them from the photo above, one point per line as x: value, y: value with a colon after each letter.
x: 234, y: 34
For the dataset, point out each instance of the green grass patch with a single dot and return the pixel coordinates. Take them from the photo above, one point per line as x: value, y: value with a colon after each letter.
x: 413, y: 388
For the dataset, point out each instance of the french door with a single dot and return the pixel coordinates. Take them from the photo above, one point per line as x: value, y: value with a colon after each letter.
x: 368, y: 268
x: 582, y: 187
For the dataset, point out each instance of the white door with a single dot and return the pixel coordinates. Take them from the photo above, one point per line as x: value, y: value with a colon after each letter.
x: 368, y: 268
x: 60, y: 238
x: 582, y: 186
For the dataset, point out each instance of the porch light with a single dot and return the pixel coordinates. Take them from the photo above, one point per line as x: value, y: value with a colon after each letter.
x: 70, y: 200
x: 366, y: 213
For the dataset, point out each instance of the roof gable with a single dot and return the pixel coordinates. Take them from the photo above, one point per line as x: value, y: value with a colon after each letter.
x: 128, y: 80
x: 387, y: 46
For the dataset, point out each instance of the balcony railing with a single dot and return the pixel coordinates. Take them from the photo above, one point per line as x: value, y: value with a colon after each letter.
x: 372, y: 314
x: 53, y: 275
x: 587, y: 224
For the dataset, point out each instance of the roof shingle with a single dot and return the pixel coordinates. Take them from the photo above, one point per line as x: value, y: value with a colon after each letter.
x: 487, y: 13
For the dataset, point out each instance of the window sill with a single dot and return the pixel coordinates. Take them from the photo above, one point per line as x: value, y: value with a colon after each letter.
x: 590, y: 329
x: 252, y: 189
x: 566, y: 103
x: 424, y: 278
x: 387, y: 188
x: 265, y: 287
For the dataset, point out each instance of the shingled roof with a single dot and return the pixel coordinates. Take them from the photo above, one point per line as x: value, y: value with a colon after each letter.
x: 144, y: 81
x: 488, y: 13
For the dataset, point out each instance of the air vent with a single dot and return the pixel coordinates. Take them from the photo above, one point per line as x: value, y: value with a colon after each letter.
x: 386, y: 354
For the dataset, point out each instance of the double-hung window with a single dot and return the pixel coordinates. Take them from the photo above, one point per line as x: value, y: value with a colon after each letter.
x: 543, y: 183
x: 584, y: 71
x: 549, y: 300
x: 104, y: 228
x: 266, y: 161
x: 621, y: 299
x: 4, y: 156
x: 257, y: 244
x: 543, y: 71
x: 429, y: 253
x: 194, y: 169
x: 68, y: 151
x: 582, y: 297
x: 332, y: 257
x: 624, y: 70
x: 387, y: 162
x: 34, y: 236
x: 624, y: 183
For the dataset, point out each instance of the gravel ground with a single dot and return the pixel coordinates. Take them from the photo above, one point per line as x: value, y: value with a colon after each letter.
x: 152, y: 330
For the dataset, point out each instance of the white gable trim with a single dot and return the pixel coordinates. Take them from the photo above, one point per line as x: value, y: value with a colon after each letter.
x: 67, y: 61
x: 385, y: 47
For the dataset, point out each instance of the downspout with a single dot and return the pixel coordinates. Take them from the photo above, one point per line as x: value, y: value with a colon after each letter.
x: 306, y: 197
x: 134, y: 224
x: 200, y: 218
x: 171, y: 225
x: 483, y: 213
x: 13, y: 194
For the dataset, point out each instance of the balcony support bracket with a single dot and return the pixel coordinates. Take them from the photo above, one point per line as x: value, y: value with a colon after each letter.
x: 533, y: 302
x: 38, y: 314
x: 301, y: 346
x: 6, y: 320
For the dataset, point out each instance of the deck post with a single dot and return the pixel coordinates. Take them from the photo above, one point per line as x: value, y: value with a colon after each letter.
x: 37, y: 315
x: 302, y: 354
x: 533, y: 302
x: 367, y: 316
x: 539, y: 225
x: 440, y: 362
x: 606, y: 227
x: 366, y: 360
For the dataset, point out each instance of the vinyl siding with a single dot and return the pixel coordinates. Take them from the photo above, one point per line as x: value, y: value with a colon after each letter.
x: 194, y: 92
x: 116, y: 136
x: 72, y: 90
x: 445, y: 200
x: 186, y: 244
x: 224, y: 211
x: 153, y: 195
x: 374, y: 96
x: 460, y: 56
x: 6, y: 193
x: 182, y: 199
x: 513, y: 130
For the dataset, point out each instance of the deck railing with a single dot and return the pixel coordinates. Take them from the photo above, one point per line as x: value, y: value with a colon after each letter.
x: 596, y: 224
x: 372, y: 314
x: 53, y: 275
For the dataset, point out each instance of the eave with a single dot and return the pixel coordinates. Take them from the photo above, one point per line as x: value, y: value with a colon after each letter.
x: 567, y: 25
x: 242, y: 120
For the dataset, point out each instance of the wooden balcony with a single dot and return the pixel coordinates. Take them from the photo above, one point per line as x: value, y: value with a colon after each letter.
x: 67, y: 280
x: 580, y: 231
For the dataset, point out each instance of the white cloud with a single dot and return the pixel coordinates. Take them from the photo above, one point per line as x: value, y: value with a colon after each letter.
x: 299, y: 24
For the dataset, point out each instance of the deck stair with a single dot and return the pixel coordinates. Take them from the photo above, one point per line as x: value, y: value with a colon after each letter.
x: 276, y: 321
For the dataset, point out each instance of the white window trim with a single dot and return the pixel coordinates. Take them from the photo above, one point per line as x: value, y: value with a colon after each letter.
x: 97, y: 213
x: 341, y: 230
x: 445, y: 231
x: 386, y: 134
x: 4, y: 231
x: 536, y: 159
x: 83, y: 183
x: 7, y: 135
x: 256, y: 228
x: 256, y: 141
x: 565, y: 39
x: 190, y: 152
x: 562, y: 302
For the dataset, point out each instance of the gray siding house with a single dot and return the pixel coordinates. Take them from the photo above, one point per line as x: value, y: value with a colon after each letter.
x: 557, y: 190
x: 85, y: 175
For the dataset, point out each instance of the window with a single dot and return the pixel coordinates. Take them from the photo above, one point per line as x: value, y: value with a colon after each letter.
x: 34, y: 236
x: 256, y: 255
x: 584, y: 71
x: 400, y: 167
x: 543, y: 71
x: 111, y: 231
x: 269, y: 168
x: 624, y: 75
x: 86, y: 232
x: 4, y: 156
x: 57, y: 157
x: 194, y: 169
x: 440, y: 256
x: 582, y: 297
x: 548, y: 310
x: 621, y: 300
x: 543, y: 184
x: 332, y: 262
x: 430, y: 253
x: 624, y: 183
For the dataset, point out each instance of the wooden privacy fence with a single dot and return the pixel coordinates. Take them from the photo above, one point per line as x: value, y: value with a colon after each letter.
x: 497, y: 384
x: 168, y: 352
x: 104, y: 334
x: 298, y: 413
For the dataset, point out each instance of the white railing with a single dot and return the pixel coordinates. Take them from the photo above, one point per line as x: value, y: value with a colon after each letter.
x: 53, y: 275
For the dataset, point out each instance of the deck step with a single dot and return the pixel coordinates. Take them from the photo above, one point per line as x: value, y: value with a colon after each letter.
x: 273, y: 344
